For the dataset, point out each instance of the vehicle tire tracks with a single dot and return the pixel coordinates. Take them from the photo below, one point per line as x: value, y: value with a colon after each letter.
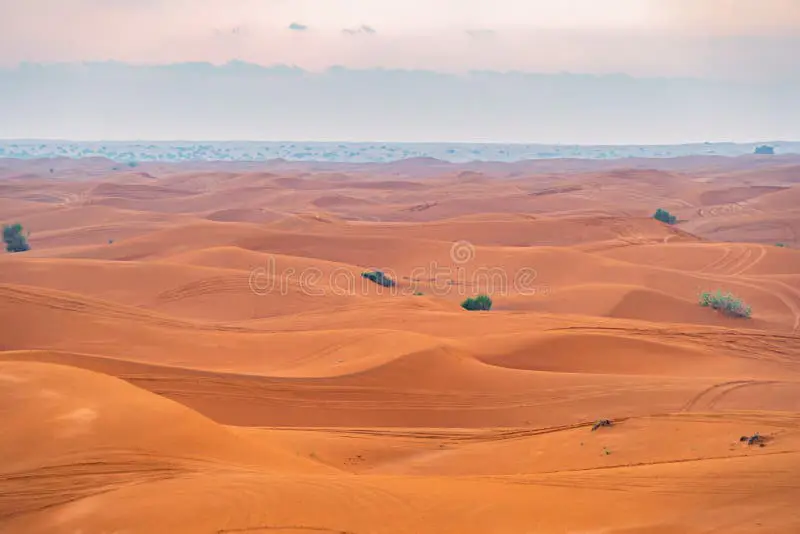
x: 713, y: 394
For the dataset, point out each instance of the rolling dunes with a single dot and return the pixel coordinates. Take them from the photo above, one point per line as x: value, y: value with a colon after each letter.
x: 197, y: 351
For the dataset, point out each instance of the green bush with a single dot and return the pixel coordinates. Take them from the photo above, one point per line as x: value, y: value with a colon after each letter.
x: 780, y: 244
x: 379, y: 278
x: 479, y: 303
x: 15, y: 241
x: 664, y: 216
x: 725, y: 303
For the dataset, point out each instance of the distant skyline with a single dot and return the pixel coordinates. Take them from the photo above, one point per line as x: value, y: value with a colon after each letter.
x: 745, y: 40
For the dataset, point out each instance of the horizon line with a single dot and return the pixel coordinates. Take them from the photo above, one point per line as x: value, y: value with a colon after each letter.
x: 775, y: 142
x: 328, y: 69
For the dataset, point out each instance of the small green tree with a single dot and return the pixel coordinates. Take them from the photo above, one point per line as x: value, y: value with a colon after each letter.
x: 664, y: 216
x: 15, y: 241
x: 479, y: 303
x: 379, y: 278
x: 725, y: 303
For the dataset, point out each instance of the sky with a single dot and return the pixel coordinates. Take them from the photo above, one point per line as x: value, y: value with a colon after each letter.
x: 728, y: 39
x: 670, y: 71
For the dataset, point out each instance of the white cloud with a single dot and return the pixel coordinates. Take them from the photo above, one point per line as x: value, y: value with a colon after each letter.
x: 360, y: 30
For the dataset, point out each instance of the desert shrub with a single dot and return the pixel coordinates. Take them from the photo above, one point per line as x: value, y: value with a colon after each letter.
x: 601, y: 423
x: 479, y: 303
x: 379, y: 278
x: 664, y: 216
x: 15, y: 241
x: 725, y: 303
x: 780, y: 244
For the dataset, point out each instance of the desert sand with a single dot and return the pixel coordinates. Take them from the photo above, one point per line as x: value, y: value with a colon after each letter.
x: 191, y: 348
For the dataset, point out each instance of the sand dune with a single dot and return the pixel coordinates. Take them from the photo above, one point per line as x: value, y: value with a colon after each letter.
x: 607, y: 353
x: 192, y: 348
x: 251, y: 215
x: 90, y: 414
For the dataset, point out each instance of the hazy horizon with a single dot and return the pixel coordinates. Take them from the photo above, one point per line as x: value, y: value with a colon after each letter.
x: 588, y: 72
x: 241, y: 101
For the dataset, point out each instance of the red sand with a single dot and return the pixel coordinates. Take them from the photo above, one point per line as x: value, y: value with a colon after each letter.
x: 192, y: 350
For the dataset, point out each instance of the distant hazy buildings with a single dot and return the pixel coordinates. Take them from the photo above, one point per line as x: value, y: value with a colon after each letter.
x: 130, y: 154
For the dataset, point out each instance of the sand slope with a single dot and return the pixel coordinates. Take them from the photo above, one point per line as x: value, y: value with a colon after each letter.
x: 193, y: 348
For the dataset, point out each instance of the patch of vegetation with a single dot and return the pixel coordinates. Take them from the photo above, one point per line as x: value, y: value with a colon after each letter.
x: 780, y: 245
x: 725, y: 303
x: 15, y: 241
x: 764, y: 150
x: 755, y: 439
x: 379, y: 278
x: 479, y: 303
x: 418, y: 293
x: 664, y: 216
x: 601, y: 423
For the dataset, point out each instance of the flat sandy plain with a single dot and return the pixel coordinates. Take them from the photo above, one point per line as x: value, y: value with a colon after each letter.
x: 191, y: 349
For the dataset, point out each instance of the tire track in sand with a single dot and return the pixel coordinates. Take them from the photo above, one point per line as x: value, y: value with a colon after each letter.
x: 732, y: 270
x: 762, y: 252
x: 780, y: 295
x: 719, y: 261
x: 713, y: 394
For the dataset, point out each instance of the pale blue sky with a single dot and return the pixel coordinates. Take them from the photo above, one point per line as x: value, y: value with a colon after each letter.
x: 741, y: 56
x: 743, y: 39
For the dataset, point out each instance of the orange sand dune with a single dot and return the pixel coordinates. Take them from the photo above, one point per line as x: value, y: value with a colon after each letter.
x: 776, y: 172
x: 113, y: 329
x: 435, y: 388
x: 738, y: 194
x: 607, y: 353
x: 742, y: 224
x: 530, y: 231
x: 192, y: 348
x: 783, y: 200
x: 13, y: 209
x: 94, y: 415
x: 74, y: 225
x: 769, y: 218
x: 229, y: 480
x: 264, y: 289
x: 134, y: 191
x: 718, y: 258
x: 248, y: 215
